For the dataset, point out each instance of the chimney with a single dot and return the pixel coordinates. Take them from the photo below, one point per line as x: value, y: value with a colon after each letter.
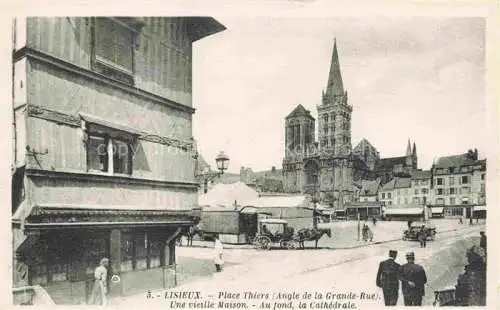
x: 273, y: 169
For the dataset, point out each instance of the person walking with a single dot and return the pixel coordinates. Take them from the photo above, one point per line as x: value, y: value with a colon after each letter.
x: 482, y: 241
x: 218, y: 259
x: 100, y: 288
x: 413, y: 279
x: 387, y: 279
x: 422, y: 237
x: 461, y: 221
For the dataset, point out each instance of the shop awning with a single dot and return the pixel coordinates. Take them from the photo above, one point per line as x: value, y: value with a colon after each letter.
x: 403, y: 211
x: 437, y: 210
x: 480, y: 208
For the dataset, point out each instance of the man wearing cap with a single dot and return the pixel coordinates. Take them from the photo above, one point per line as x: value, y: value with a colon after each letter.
x: 387, y: 279
x: 100, y: 288
x: 413, y: 279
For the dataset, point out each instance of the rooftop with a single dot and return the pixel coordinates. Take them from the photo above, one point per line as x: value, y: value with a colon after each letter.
x: 421, y: 175
x: 389, y: 163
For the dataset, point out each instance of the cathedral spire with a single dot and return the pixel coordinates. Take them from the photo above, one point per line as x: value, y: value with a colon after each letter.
x: 408, y: 148
x: 335, y: 86
x: 414, y: 151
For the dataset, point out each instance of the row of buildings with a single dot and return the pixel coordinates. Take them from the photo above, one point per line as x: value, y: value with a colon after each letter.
x: 103, y: 149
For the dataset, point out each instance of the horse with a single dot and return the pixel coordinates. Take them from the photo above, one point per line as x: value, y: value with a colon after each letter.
x: 189, y: 234
x: 312, y: 234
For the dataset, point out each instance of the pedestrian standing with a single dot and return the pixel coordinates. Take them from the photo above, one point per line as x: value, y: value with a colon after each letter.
x: 482, y: 241
x: 422, y: 237
x: 374, y: 221
x: 461, y: 219
x: 413, y: 279
x: 218, y: 259
x: 100, y: 288
x: 387, y: 279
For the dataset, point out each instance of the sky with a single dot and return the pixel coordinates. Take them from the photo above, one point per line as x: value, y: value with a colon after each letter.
x: 419, y: 78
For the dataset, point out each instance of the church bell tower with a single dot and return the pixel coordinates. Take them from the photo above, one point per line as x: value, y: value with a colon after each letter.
x: 334, y: 133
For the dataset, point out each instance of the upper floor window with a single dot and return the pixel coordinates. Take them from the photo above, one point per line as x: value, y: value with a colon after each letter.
x: 452, y: 180
x: 389, y: 195
x: 465, y: 179
x: 109, y: 147
x: 109, y: 154
x: 482, y: 176
x: 439, y: 181
x: 113, y: 49
x: 439, y: 191
x: 383, y: 195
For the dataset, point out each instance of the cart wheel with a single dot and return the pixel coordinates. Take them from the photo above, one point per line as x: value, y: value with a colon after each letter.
x: 283, y: 244
x: 265, y: 243
x: 256, y: 242
x: 404, y: 238
x: 291, y: 245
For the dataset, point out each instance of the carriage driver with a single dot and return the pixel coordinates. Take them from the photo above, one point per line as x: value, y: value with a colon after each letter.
x: 265, y: 230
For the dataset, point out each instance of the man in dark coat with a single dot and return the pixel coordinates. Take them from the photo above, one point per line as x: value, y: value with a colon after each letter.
x: 422, y: 237
x: 482, y: 242
x: 387, y: 279
x: 413, y: 279
x: 471, y: 285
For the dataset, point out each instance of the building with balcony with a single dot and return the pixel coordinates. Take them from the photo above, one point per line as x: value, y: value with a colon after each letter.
x: 103, y: 159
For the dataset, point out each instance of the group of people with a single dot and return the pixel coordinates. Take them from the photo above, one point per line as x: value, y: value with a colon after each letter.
x: 411, y: 275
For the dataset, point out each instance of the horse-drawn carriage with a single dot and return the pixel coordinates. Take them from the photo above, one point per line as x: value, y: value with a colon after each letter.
x: 415, y: 229
x: 272, y: 232
x: 277, y: 232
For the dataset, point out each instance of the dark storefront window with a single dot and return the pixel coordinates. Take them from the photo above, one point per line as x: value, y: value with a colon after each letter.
x: 127, y: 252
x: 155, y: 251
x: 141, y: 251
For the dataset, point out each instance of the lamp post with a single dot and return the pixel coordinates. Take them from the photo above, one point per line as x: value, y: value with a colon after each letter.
x: 222, y: 161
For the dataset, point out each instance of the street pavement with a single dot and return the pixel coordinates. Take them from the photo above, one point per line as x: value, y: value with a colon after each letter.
x: 341, y: 270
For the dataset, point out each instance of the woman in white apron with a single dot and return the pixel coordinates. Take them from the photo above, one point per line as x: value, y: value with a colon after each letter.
x: 218, y: 259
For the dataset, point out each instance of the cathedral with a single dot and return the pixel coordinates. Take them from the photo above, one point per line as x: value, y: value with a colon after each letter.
x: 329, y: 169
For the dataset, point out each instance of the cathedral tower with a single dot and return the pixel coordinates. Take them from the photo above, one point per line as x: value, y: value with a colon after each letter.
x: 299, y: 136
x: 334, y: 128
x: 334, y: 115
x: 299, y: 130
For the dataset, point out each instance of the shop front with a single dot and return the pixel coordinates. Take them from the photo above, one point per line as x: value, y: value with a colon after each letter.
x: 64, y: 246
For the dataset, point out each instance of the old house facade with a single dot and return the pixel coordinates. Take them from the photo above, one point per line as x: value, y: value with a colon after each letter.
x: 103, y: 153
x: 459, y: 183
